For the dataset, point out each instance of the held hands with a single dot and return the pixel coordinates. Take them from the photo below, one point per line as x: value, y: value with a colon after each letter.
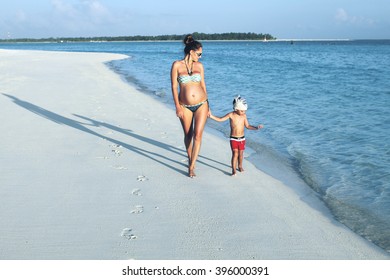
x: 260, y: 126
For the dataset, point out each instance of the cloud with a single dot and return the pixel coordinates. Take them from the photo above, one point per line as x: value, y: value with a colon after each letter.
x: 63, y: 8
x: 81, y: 15
x: 71, y: 18
x: 87, y: 9
x: 96, y: 8
x: 342, y: 16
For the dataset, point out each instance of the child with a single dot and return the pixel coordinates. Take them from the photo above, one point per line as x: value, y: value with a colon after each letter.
x: 238, y: 122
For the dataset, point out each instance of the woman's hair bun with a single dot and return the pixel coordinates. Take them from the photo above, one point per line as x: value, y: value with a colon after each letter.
x: 188, y: 39
x: 191, y: 44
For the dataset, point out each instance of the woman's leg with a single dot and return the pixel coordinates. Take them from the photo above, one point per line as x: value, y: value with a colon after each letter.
x: 187, y: 124
x: 200, y: 118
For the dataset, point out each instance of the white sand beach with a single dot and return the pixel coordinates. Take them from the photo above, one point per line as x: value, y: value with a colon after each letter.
x: 93, y: 169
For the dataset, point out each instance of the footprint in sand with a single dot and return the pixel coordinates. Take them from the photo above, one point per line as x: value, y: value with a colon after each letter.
x: 164, y: 135
x: 102, y: 157
x: 138, y: 209
x: 119, y: 167
x: 126, y: 233
x: 142, y: 178
x: 136, y: 192
x: 116, y: 150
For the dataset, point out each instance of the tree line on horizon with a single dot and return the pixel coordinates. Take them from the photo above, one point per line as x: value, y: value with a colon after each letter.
x: 196, y: 35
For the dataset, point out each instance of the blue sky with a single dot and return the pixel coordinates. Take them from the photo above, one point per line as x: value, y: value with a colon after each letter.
x: 284, y: 19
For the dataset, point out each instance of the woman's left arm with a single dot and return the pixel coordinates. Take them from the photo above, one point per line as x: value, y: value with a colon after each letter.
x: 202, y: 83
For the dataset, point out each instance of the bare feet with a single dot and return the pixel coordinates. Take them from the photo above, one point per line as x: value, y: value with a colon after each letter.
x: 239, y: 169
x: 191, y: 173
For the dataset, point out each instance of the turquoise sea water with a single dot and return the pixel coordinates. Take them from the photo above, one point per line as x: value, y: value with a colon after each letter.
x: 325, y: 106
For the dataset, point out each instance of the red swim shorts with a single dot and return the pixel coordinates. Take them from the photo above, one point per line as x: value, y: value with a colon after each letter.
x: 237, y: 144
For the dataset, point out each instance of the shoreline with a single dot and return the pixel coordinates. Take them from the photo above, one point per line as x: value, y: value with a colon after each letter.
x: 116, y: 158
x: 225, y: 41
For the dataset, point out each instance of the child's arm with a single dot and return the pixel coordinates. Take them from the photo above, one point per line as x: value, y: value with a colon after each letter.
x: 251, y: 127
x: 220, y: 119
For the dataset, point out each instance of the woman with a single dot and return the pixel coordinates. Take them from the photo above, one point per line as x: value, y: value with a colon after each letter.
x: 191, y: 102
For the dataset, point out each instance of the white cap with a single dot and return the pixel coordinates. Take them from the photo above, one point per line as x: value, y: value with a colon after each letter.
x: 240, y: 104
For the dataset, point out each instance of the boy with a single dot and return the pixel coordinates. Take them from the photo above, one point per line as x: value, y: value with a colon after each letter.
x: 238, y: 122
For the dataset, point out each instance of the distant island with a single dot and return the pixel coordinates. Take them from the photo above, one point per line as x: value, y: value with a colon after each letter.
x: 198, y: 36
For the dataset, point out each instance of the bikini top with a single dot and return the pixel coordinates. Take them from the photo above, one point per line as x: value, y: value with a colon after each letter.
x: 195, y: 78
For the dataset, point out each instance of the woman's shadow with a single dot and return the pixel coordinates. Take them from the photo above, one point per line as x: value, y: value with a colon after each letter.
x: 90, y: 123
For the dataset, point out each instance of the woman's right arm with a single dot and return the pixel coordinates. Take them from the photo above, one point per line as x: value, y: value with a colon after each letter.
x: 175, y: 92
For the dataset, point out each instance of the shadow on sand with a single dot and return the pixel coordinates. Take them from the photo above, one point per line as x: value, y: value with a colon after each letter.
x: 87, y: 123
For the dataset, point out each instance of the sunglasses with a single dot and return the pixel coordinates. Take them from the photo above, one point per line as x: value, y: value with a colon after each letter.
x: 199, y: 54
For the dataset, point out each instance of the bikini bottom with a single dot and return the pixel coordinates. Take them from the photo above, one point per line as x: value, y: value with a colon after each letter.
x: 195, y: 107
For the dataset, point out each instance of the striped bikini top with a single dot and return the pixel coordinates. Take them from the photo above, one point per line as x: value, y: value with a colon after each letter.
x: 195, y: 78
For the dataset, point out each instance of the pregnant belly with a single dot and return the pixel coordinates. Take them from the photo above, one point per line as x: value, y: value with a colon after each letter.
x: 192, y: 95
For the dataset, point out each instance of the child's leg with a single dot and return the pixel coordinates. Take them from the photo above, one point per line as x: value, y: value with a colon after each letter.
x: 234, y: 161
x: 240, y: 160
